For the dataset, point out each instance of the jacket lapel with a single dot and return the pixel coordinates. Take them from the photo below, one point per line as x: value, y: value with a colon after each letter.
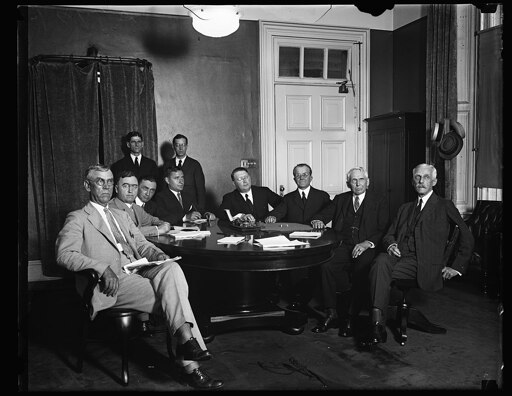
x: 97, y: 221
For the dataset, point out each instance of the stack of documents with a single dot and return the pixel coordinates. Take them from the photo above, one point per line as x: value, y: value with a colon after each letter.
x: 306, y: 234
x: 231, y: 240
x: 133, y: 267
x: 279, y: 242
x: 186, y: 234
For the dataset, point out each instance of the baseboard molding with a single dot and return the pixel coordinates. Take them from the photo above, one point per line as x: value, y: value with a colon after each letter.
x: 35, y: 272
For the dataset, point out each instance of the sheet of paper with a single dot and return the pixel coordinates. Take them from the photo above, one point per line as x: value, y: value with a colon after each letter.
x: 191, y: 234
x: 278, y: 241
x: 305, y: 234
x: 134, y: 266
x: 231, y: 240
x: 189, y: 228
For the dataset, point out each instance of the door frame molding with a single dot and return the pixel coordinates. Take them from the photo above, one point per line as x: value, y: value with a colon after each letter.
x: 269, y: 30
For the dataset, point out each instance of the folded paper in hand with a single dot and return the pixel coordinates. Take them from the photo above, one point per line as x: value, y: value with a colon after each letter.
x: 279, y: 242
x: 231, y: 240
x: 306, y: 234
x: 133, y: 268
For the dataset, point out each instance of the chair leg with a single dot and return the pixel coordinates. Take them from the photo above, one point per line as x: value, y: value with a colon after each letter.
x: 403, y: 316
x: 83, y: 342
x: 124, y: 324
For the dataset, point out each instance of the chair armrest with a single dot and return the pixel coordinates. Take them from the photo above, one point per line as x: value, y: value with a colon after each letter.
x: 86, y: 280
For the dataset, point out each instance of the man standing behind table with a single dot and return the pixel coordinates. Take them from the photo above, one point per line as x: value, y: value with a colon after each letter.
x: 126, y: 188
x: 247, y: 202
x: 300, y: 205
x: 192, y: 171
x: 416, y: 247
x: 135, y: 161
x: 104, y: 239
x: 361, y: 217
x: 173, y: 204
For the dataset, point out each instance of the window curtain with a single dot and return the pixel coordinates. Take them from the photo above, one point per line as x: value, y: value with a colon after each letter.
x: 441, y: 101
x: 127, y: 104
x: 489, y: 139
x: 63, y: 138
x: 76, y: 122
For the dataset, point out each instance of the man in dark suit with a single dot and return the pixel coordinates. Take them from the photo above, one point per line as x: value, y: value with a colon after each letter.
x: 126, y: 188
x: 192, y: 170
x: 105, y: 239
x: 173, y: 204
x: 361, y: 218
x: 415, y: 244
x: 146, y: 192
x: 135, y: 161
x: 247, y: 202
x: 300, y: 205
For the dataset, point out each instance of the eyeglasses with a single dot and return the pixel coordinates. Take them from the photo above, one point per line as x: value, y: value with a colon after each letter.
x: 101, y: 182
x: 243, y: 178
x: 301, y: 176
x: 181, y: 145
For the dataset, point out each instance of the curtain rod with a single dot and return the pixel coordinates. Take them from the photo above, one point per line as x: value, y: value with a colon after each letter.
x: 104, y: 59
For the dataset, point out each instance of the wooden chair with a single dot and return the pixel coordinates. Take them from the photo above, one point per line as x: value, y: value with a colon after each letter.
x: 124, y: 322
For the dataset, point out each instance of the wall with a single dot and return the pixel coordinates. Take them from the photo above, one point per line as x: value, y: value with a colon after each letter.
x: 381, y: 72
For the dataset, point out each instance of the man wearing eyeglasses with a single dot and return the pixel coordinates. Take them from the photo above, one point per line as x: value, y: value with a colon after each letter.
x: 300, y: 205
x: 247, y: 202
x: 134, y: 161
x: 361, y: 218
x: 106, y: 239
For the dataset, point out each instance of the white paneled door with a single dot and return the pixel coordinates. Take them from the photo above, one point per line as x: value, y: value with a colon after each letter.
x: 314, y: 125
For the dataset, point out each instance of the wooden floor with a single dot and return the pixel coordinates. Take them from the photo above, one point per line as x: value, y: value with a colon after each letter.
x: 466, y: 357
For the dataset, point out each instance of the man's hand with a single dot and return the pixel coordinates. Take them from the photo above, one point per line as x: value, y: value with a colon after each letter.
x: 360, y: 248
x: 270, y: 219
x: 394, y: 251
x: 449, y: 273
x: 193, y: 216
x: 164, y: 227
x: 162, y: 257
x: 248, y: 217
x: 317, y: 224
x: 109, y: 283
x: 209, y: 216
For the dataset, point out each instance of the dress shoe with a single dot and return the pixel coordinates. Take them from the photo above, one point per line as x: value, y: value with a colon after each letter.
x: 192, y: 351
x: 200, y: 380
x: 347, y: 328
x: 378, y: 335
x: 331, y: 322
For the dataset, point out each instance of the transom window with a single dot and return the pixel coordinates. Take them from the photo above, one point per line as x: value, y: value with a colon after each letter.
x: 312, y: 62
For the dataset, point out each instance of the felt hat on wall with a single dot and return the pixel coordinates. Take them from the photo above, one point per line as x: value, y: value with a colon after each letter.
x: 449, y: 142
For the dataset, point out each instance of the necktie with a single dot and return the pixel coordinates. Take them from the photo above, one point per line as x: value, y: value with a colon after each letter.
x: 127, y: 250
x: 132, y: 215
x: 249, y: 203
x: 303, y: 198
x: 179, y: 199
x: 356, y: 203
x: 416, y: 214
x: 179, y: 164
x: 137, y: 162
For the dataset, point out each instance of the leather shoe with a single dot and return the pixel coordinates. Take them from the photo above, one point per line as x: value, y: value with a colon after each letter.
x: 378, y: 335
x: 346, y: 328
x: 330, y: 322
x: 192, y: 351
x: 200, y: 380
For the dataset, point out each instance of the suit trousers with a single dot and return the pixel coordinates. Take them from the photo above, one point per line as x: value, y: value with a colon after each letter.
x: 161, y: 289
x: 384, y: 270
x: 343, y: 273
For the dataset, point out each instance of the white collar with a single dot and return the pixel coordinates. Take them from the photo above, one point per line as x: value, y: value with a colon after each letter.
x: 136, y: 156
x: 305, y: 191
x: 139, y: 202
x: 425, y: 198
x: 361, y: 197
x: 176, y: 159
x: 248, y: 193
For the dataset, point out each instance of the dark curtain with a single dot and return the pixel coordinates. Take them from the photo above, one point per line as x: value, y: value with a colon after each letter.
x: 489, y: 139
x: 63, y: 140
x: 441, y: 87
x: 127, y: 104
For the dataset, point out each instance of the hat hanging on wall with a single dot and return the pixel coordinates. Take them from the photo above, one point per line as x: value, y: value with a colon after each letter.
x: 449, y: 142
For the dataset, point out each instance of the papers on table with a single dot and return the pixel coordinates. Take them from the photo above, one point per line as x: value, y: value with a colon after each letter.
x: 190, y: 234
x: 198, y: 221
x: 306, y: 234
x: 231, y: 240
x: 279, y: 242
x: 179, y: 228
x: 135, y: 266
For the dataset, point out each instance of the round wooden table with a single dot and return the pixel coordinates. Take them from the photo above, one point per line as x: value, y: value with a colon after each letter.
x: 234, y: 286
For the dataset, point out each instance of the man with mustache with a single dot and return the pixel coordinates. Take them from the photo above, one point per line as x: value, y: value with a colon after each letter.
x: 415, y: 244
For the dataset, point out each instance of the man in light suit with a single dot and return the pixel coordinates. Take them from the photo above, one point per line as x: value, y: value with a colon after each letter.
x: 173, y: 204
x: 126, y: 188
x: 103, y: 239
x: 416, y: 248
x: 361, y: 218
x: 192, y: 171
x: 300, y: 205
x: 135, y: 161
x: 247, y: 202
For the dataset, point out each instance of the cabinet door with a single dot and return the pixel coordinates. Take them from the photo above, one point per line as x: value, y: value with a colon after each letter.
x: 397, y: 162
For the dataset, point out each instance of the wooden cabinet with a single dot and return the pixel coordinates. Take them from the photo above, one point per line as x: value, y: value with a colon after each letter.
x: 396, y: 144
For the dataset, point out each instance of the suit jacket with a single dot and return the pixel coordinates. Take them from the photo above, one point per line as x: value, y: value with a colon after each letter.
x: 142, y: 219
x: 147, y: 167
x: 86, y: 242
x: 194, y: 180
x: 168, y: 208
x: 374, y: 219
x: 262, y: 197
x: 292, y: 210
x: 431, y: 234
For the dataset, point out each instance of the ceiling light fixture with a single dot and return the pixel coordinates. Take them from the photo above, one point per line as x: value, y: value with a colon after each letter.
x: 214, y: 20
